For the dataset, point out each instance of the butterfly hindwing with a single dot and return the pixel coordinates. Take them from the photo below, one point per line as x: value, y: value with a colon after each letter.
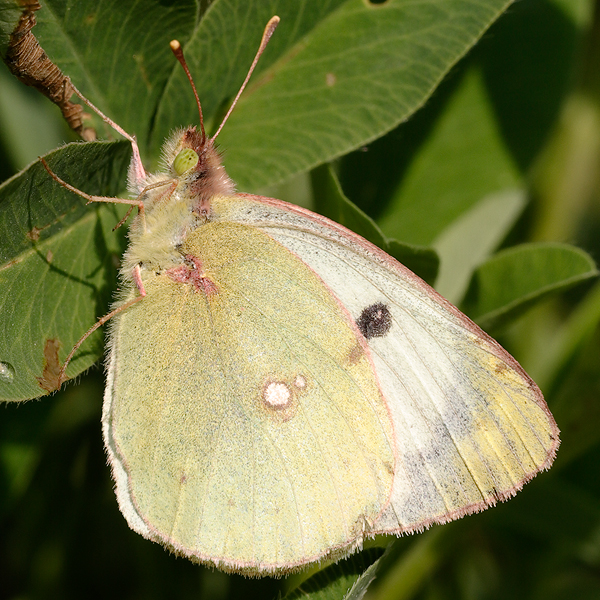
x: 267, y: 443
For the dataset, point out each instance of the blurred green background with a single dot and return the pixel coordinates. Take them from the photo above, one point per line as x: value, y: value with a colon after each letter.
x: 515, y: 124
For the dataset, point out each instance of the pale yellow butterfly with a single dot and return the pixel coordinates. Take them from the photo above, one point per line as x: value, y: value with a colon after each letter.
x: 279, y: 389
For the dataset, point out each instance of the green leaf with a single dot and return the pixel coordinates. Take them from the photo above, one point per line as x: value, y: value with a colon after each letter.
x: 116, y: 53
x: 472, y: 237
x: 351, y: 77
x: 10, y: 13
x: 57, y: 268
x: 362, y: 584
x: 410, y: 48
x: 517, y: 278
x: 18, y: 106
x: 574, y: 333
x: 336, y: 74
x: 331, y: 202
x: 404, y: 571
x: 347, y: 579
x: 463, y: 159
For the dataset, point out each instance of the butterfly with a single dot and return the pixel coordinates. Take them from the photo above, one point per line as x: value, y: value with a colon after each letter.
x: 279, y: 389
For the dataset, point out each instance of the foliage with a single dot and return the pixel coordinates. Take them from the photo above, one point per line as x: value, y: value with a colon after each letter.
x: 480, y: 145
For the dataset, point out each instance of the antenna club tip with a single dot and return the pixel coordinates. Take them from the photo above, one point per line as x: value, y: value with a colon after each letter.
x: 271, y: 25
x: 175, y: 45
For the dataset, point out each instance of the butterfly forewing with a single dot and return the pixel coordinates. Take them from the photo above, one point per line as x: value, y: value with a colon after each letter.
x: 471, y: 427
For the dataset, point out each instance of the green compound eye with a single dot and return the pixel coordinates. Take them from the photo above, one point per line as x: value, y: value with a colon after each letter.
x: 185, y: 160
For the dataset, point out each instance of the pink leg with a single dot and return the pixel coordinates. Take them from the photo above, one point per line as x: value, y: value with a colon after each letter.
x: 137, y: 278
x: 133, y: 203
x: 137, y: 202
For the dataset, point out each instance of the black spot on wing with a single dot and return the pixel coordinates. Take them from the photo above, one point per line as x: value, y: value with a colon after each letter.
x: 375, y: 321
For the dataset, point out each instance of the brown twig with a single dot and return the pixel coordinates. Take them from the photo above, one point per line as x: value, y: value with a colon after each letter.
x: 28, y: 62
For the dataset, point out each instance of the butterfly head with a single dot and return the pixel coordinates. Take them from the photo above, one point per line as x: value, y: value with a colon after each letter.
x: 193, y: 159
x: 191, y: 155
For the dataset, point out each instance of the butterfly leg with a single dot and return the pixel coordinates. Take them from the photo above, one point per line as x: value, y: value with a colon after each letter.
x: 140, y: 204
x: 137, y: 202
x: 137, y: 278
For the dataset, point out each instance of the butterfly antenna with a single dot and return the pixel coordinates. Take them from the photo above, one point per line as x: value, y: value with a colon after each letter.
x: 178, y: 52
x: 269, y: 29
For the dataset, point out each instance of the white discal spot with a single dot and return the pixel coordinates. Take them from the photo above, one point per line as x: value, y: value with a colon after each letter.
x: 277, y: 394
x: 300, y: 382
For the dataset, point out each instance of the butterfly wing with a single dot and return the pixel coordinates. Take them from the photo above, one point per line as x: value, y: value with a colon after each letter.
x: 243, y: 418
x: 471, y: 427
x: 302, y: 390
